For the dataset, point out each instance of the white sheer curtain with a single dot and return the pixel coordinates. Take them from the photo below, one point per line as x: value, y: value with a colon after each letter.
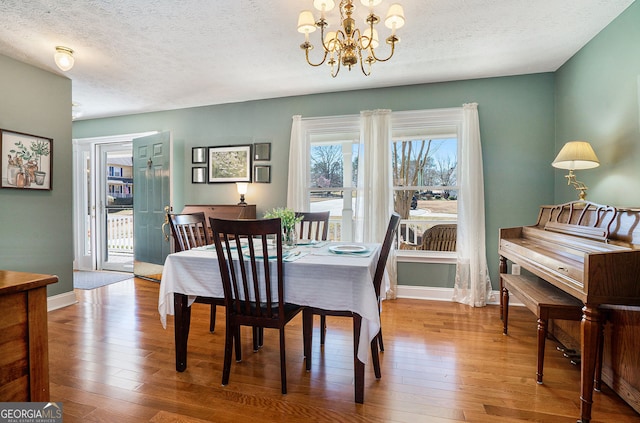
x: 472, y: 285
x: 374, y: 198
x: 299, y: 151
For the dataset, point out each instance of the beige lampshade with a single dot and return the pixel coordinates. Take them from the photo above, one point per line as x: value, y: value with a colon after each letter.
x: 395, y: 17
x: 242, y: 187
x: 306, y: 23
x: 576, y: 155
x: 324, y: 5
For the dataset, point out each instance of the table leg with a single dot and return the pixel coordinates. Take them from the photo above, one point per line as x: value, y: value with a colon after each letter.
x: 358, y: 366
x: 590, y: 337
x: 182, y: 321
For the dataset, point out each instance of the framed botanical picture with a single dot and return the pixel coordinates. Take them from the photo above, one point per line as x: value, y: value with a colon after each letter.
x: 230, y: 164
x: 198, y: 175
x: 262, y: 151
x: 26, y: 161
x: 199, y: 155
x: 262, y: 174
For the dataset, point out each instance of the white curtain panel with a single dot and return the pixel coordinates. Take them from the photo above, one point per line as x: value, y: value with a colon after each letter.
x: 299, y: 151
x: 374, y: 198
x: 472, y: 284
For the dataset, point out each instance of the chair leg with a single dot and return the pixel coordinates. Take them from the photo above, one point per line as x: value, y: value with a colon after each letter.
x: 283, y: 363
x: 256, y: 338
x: 323, y: 328
x: 238, y: 342
x: 212, y: 318
x: 379, y: 339
x: 375, y: 357
x: 228, y: 347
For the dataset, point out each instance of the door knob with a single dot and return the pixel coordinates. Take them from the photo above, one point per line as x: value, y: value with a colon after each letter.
x: 166, y: 222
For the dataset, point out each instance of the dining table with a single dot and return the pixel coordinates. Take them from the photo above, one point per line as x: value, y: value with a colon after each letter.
x: 326, y: 275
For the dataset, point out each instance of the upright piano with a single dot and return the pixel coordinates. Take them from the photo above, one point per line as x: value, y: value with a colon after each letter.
x: 591, y: 252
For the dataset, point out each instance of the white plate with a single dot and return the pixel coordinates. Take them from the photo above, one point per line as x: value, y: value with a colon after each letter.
x: 348, y: 249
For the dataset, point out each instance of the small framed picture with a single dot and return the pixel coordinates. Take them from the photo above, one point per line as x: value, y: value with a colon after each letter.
x: 262, y: 174
x: 262, y: 151
x: 199, y: 155
x: 198, y: 175
x: 230, y: 164
x: 26, y: 161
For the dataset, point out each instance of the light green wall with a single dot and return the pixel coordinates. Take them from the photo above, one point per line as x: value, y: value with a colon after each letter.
x: 37, y: 234
x: 516, y: 123
x: 597, y: 96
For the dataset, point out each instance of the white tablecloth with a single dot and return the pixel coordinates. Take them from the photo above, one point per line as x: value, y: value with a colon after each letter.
x: 318, y: 279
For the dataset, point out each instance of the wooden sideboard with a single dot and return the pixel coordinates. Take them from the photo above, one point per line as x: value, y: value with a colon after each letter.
x: 24, y: 350
x: 222, y: 211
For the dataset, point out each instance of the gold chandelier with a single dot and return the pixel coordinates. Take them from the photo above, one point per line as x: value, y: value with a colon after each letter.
x: 348, y: 45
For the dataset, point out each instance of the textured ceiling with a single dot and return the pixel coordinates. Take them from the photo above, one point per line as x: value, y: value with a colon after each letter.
x: 137, y: 56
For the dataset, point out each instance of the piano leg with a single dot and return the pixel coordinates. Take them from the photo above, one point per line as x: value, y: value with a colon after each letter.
x: 502, y: 268
x: 591, y: 334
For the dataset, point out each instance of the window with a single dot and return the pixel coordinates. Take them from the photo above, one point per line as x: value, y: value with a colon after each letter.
x: 424, y: 154
x: 425, y: 192
x: 333, y: 183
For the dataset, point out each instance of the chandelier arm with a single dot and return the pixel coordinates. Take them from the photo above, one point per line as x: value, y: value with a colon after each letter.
x: 324, y: 58
x: 393, y: 47
x: 333, y: 75
x: 362, y: 64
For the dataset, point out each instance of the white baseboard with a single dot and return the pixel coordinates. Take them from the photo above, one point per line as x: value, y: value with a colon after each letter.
x: 65, y: 299
x: 443, y: 294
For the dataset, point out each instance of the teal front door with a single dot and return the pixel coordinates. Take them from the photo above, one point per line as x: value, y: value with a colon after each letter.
x: 151, y: 200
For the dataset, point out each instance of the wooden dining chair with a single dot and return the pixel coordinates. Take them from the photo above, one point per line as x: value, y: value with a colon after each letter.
x: 376, y: 343
x: 314, y: 225
x: 189, y: 231
x: 253, y: 285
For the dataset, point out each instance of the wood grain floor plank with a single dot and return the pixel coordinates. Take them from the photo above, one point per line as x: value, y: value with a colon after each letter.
x: 111, y: 360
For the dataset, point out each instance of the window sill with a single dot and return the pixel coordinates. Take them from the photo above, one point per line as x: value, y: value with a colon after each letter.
x: 412, y: 256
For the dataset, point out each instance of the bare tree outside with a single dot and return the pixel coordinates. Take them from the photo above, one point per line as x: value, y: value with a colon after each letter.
x: 326, y: 166
x: 417, y: 163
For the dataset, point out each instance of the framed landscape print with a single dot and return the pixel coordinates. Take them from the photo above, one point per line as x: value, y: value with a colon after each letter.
x: 230, y: 164
x: 26, y: 161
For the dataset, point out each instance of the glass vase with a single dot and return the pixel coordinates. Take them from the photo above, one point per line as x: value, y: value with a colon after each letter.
x: 289, y: 238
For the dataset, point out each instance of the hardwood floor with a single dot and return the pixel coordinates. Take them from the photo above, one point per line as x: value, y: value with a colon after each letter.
x: 111, y: 360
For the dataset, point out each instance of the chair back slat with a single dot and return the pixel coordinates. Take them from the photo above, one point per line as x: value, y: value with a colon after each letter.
x: 252, y: 274
x: 314, y: 225
x: 389, y: 237
x: 189, y: 230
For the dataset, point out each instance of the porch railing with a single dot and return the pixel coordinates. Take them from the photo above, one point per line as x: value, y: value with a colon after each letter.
x: 120, y: 233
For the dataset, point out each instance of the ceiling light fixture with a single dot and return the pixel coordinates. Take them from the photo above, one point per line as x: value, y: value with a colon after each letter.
x: 348, y: 45
x: 64, y: 58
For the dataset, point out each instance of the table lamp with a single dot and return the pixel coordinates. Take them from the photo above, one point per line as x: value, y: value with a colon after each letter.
x: 242, y: 190
x: 576, y: 155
